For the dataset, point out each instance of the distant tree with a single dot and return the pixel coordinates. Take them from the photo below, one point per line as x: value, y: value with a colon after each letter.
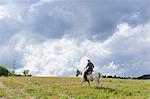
x: 129, y: 78
x: 109, y: 76
x: 4, y: 71
x: 115, y: 76
x: 26, y: 72
x: 104, y: 76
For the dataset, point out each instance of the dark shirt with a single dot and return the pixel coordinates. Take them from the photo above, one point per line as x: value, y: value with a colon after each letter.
x: 90, y: 66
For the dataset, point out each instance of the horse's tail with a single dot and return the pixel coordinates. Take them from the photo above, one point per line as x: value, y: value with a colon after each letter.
x: 100, y: 76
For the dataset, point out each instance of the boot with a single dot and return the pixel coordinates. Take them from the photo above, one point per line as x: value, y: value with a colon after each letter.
x: 85, y: 77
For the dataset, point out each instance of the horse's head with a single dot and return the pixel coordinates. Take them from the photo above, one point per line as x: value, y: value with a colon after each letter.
x: 78, y: 72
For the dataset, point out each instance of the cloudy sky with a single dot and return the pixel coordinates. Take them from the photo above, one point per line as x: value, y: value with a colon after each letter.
x: 54, y: 37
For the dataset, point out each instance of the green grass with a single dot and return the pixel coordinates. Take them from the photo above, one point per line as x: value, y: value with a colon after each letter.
x: 2, y: 92
x: 69, y: 88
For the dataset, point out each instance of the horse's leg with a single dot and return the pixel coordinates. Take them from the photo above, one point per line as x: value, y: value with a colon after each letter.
x: 88, y: 82
x: 100, y: 80
x: 98, y: 83
x: 81, y: 82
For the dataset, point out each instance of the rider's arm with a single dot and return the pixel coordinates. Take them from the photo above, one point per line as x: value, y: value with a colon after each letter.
x: 87, y: 66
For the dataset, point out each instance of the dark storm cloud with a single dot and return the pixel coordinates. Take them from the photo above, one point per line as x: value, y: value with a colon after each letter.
x: 90, y: 19
x: 96, y: 19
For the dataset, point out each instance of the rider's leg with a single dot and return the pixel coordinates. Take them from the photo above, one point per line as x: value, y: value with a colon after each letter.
x: 88, y: 82
x: 85, y: 76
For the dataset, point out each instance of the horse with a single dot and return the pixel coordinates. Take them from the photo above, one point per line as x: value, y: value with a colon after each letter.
x: 94, y: 76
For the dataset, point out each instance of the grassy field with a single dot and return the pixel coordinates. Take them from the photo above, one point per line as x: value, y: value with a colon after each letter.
x: 69, y: 88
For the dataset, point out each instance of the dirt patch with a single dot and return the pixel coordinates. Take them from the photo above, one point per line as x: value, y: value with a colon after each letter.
x: 1, y: 85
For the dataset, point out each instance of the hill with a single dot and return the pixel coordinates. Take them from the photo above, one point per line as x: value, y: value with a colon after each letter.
x: 69, y: 88
x: 144, y: 77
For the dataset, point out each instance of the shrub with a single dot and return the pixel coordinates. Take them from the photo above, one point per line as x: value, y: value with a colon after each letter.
x: 26, y: 72
x: 2, y: 92
x: 4, y: 71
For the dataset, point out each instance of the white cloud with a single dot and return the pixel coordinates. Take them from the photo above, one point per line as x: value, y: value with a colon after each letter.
x: 112, y: 66
x: 56, y: 57
x: 129, y: 47
x: 3, y: 12
x: 111, y: 69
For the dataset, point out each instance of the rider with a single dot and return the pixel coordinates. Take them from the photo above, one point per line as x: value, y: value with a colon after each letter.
x: 89, y: 69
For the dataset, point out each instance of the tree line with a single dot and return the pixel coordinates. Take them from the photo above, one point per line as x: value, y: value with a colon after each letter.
x: 117, y: 77
x: 5, y: 72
